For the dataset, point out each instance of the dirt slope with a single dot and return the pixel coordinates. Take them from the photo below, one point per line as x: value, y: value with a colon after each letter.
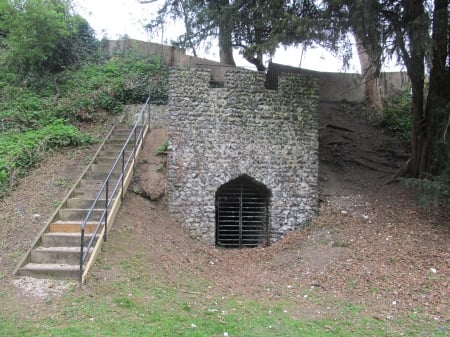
x: 370, y: 243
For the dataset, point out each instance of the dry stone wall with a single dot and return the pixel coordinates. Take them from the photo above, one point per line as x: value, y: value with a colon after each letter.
x: 219, y: 134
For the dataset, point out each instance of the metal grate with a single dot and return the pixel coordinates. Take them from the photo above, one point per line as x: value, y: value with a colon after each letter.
x: 241, y: 214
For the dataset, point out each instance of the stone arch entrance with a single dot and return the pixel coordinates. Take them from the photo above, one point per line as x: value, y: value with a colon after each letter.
x: 242, y: 213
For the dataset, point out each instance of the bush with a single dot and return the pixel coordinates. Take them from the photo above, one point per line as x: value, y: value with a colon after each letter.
x: 434, y: 190
x: 107, y: 86
x: 397, y: 116
x: 44, y: 37
x: 26, y: 111
x: 21, y: 151
x: 163, y: 148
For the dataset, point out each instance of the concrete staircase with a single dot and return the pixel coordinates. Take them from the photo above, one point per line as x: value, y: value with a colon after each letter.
x: 56, y: 251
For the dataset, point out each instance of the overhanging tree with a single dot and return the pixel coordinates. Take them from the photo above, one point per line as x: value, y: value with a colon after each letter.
x: 419, y: 33
x: 43, y: 36
x: 255, y: 27
x: 362, y: 19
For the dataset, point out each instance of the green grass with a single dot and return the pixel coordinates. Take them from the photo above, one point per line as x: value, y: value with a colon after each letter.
x: 141, y: 308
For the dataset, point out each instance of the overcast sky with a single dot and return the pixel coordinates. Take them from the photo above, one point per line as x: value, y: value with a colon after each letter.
x: 116, y: 18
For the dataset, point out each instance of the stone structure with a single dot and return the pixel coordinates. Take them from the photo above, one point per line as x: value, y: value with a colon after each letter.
x: 242, y: 130
x: 343, y: 86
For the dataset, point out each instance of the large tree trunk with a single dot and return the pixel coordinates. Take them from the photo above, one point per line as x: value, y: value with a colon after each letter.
x: 370, y: 77
x: 225, y: 46
x: 434, y: 150
x: 415, y: 12
x: 225, y: 41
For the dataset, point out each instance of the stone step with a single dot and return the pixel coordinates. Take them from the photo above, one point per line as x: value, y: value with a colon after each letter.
x: 92, y: 175
x: 101, y: 167
x: 124, y: 131
x: 63, y: 239
x: 105, y: 160
x: 94, y: 184
x: 61, y: 226
x: 116, y: 147
x: 84, y: 203
x: 50, y: 270
x: 88, y: 193
x: 57, y: 255
x: 113, y: 153
x: 78, y: 214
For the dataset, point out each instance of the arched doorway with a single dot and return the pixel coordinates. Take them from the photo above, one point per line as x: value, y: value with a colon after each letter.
x: 242, y: 213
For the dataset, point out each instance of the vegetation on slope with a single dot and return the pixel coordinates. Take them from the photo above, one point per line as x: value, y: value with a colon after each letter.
x: 51, y: 82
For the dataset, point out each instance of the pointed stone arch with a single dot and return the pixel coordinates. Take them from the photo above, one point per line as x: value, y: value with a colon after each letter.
x: 242, y: 213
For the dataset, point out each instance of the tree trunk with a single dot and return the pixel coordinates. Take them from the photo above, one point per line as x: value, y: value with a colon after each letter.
x: 434, y: 156
x: 225, y: 38
x: 226, y: 55
x: 415, y: 12
x: 370, y: 78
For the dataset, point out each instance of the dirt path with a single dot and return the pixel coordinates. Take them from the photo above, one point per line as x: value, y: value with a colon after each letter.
x: 371, y: 244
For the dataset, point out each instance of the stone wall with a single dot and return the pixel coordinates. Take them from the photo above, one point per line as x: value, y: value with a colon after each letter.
x: 159, y: 116
x: 172, y: 56
x: 219, y: 134
x: 342, y: 86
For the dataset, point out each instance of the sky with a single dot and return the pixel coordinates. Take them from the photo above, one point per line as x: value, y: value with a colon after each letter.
x: 117, y: 18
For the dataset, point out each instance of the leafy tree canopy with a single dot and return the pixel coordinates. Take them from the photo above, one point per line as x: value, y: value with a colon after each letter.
x: 41, y: 36
x: 255, y: 27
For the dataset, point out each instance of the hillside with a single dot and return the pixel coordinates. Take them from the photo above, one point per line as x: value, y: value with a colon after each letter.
x: 371, y: 250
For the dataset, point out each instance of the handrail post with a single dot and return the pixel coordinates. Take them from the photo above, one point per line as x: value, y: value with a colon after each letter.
x: 106, y: 210
x: 134, y: 151
x: 122, y: 175
x: 148, y: 111
x: 81, y: 255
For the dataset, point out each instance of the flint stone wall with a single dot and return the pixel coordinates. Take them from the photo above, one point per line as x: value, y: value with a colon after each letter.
x: 219, y: 134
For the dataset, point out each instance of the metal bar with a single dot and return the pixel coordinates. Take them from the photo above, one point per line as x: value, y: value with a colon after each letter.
x: 105, y: 187
x: 134, y: 152
x: 122, y: 174
x: 81, y: 256
x: 106, y: 210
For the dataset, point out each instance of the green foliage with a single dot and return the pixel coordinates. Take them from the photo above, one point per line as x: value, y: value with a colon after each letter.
x: 434, y: 190
x: 162, y: 149
x: 160, y: 168
x: 107, y: 86
x: 21, y: 151
x: 33, y: 118
x: 43, y: 36
x: 256, y: 27
x: 397, y: 116
x: 26, y: 111
x: 140, y: 308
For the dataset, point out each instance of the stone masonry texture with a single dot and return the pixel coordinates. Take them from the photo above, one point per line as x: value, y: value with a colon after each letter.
x: 219, y: 134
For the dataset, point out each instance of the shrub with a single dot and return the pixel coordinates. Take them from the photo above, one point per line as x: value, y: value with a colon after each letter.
x: 397, y: 116
x: 434, y: 190
x: 21, y: 151
x: 162, y: 149
x: 109, y: 85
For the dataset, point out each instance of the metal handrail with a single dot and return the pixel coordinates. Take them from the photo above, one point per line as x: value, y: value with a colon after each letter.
x: 135, y: 137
